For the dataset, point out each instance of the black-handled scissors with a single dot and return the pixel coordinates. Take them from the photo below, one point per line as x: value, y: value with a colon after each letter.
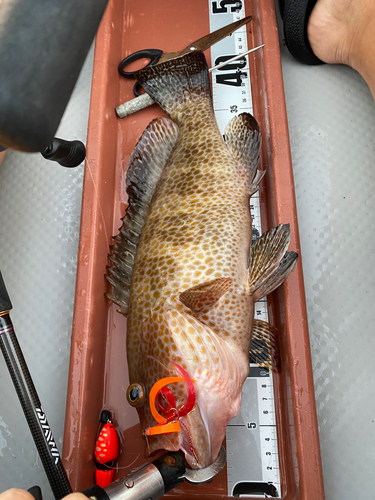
x: 153, y: 54
x: 157, y: 56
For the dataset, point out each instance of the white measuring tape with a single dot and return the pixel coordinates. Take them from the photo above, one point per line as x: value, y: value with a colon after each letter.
x: 252, y: 453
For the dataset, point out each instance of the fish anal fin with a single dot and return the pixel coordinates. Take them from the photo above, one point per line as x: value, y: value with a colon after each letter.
x: 145, y: 168
x: 205, y: 295
x: 264, y: 347
x: 243, y: 138
x: 267, y: 252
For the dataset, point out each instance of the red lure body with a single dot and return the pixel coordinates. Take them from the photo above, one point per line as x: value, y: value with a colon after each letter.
x: 106, y: 448
x: 103, y: 476
x: 106, y: 452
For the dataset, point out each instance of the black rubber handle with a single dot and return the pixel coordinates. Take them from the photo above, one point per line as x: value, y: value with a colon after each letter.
x: 171, y: 467
x: 5, y: 303
x: 36, y: 492
x: 153, y: 54
x: 97, y: 492
x: 42, y: 51
x: 67, y: 153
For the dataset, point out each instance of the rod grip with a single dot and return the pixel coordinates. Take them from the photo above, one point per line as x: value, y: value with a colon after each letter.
x: 66, y: 153
x: 151, y: 480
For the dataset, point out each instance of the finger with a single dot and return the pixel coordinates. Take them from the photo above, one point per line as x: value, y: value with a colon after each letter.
x: 17, y: 494
x: 74, y: 496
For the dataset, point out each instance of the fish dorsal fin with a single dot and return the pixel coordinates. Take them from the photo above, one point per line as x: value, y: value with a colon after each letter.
x: 270, y: 264
x: 145, y: 167
x: 264, y: 347
x: 205, y: 295
x: 243, y: 138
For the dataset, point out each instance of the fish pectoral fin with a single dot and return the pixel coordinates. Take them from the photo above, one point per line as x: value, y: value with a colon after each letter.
x: 264, y: 347
x: 243, y: 138
x: 205, y: 295
x: 270, y: 262
x: 145, y: 167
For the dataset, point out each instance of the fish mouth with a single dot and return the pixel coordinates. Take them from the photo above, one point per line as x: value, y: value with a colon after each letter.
x: 195, y: 440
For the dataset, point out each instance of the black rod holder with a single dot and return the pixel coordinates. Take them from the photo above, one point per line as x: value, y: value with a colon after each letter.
x: 66, y: 153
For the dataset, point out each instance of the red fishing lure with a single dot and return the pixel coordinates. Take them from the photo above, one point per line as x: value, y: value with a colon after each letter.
x: 106, y: 452
x: 106, y: 448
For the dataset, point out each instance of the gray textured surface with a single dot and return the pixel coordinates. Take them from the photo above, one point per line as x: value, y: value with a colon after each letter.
x: 332, y: 129
x: 331, y: 117
x: 39, y: 228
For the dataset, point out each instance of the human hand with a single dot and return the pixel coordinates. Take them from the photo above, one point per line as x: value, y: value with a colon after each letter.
x: 18, y: 494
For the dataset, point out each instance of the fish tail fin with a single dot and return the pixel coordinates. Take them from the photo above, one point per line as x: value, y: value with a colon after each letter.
x: 175, y: 83
x: 270, y: 262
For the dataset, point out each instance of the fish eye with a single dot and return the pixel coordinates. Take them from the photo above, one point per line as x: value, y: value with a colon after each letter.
x: 135, y: 394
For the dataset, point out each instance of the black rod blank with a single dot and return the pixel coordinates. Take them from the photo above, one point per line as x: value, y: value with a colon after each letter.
x: 31, y: 405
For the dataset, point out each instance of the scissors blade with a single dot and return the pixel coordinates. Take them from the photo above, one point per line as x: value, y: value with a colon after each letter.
x: 206, y: 41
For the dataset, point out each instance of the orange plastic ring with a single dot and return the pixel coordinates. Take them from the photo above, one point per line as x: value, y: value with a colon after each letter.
x: 162, y: 429
x: 153, y: 393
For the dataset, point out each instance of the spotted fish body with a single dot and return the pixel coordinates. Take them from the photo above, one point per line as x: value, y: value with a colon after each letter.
x: 180, y: 265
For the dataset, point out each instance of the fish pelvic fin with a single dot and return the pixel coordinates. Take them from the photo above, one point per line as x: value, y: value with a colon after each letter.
x: 264, y: 348
x: 174, y: 84
x: 270, y: 263
x: 205, y: 295
x: 145, y: 167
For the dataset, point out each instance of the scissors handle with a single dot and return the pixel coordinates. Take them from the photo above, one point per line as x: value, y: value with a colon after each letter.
x: 153, y: 54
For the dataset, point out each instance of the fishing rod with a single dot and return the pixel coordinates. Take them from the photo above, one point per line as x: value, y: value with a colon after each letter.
x: 153, y: 480
x: 31, y: 405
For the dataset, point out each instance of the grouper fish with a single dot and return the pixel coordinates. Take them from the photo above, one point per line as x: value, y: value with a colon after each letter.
x: 183, y: 269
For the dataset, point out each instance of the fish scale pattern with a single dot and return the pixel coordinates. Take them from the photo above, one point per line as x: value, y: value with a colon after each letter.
x: 39, y: 229
x: 195, y: 239
x: 184, y: 243
x: 332, y: 131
